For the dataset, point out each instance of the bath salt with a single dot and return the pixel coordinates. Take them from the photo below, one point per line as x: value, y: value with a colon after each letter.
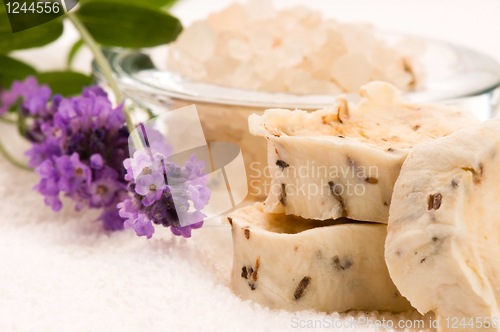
x: 292, y: 44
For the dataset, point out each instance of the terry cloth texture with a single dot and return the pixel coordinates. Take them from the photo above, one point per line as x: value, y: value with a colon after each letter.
x: 62, y: 272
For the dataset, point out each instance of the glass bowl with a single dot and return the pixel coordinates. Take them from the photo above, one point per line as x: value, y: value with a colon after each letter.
x: 455, y: 75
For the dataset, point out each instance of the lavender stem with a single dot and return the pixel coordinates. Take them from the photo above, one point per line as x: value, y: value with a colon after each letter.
x: 106, y: 70
x: 13, y: 160
x: 8, y: 121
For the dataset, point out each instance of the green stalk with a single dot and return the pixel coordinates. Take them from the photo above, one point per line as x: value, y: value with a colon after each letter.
x: 106, y: 70
x: 13, y: 160
x: 8, y: 121
x: 98, y: 56
x: 5, y: 153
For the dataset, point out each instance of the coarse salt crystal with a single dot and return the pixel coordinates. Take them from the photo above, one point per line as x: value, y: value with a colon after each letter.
x: 198, y: 41
x: 191, y: 68
x: 261, y: 41
x: 220, y: 69
x: 233, y: 18
x: 244, y: 77
x: 239, y: 49
x: 351, y: 71
x: 258, y: 10
x: 359, y: 38
x: 222, y: 43
x: 253, y: 46
x: 265, y: 68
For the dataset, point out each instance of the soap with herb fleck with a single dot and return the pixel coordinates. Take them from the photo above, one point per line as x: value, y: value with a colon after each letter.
x: 444, y: 228
x: 343, y: 161
x: 286, y: 262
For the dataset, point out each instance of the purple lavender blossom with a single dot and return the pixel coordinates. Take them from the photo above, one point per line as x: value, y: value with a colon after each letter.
x: 93, y: 91
x: 174, y: 202
x: 104, y: 188
x: 73, y: 173
x: 49, y: 184
x: 141, y: 163
x: 194, y: 168
x: 79, y: 144
x: 128, y: 211
x: 34, y: 97
x: 96, y: 161
x: 110, y: 218
x: 186, y: 231
x: 80, y: 150
x: 157, y: 143
x: 9, y: 97
x: 143, y: 227
x: 54, y: 202
x: 39, y: 152
x: 151, y: 187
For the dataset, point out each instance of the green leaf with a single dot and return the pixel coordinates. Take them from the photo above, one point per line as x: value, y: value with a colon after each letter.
x: 34, y: 37
x: 164, y: 4
x: 169, y: 5
x: 73, y: 51
x: 27, y: 14
x: 114, y: 23
x: 152, y: 3
x: 12, y: 69
x: 66, y: 83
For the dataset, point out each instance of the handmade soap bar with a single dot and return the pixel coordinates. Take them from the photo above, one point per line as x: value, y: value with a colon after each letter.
x: 344, y: 161
x: 444, y: 228
x: 286, y: 262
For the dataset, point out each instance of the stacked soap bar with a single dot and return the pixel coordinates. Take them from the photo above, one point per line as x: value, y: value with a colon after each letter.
x: 297, y: 250
x: 344, y: 161
x: 444, y: 228
x: 287, y: 262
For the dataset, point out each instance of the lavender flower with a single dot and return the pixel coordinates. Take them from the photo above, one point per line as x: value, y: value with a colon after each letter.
x: 73, y: 173
x: 79, y: 144
x: 110, y: 218
x: 49, y: 184
x: 156, y: 202
x: 128, y: 211
x: 80, y: 150
x: 105, y: 187
x: 143, y: 227
x: 34, y: 97
x: 151, y: 187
